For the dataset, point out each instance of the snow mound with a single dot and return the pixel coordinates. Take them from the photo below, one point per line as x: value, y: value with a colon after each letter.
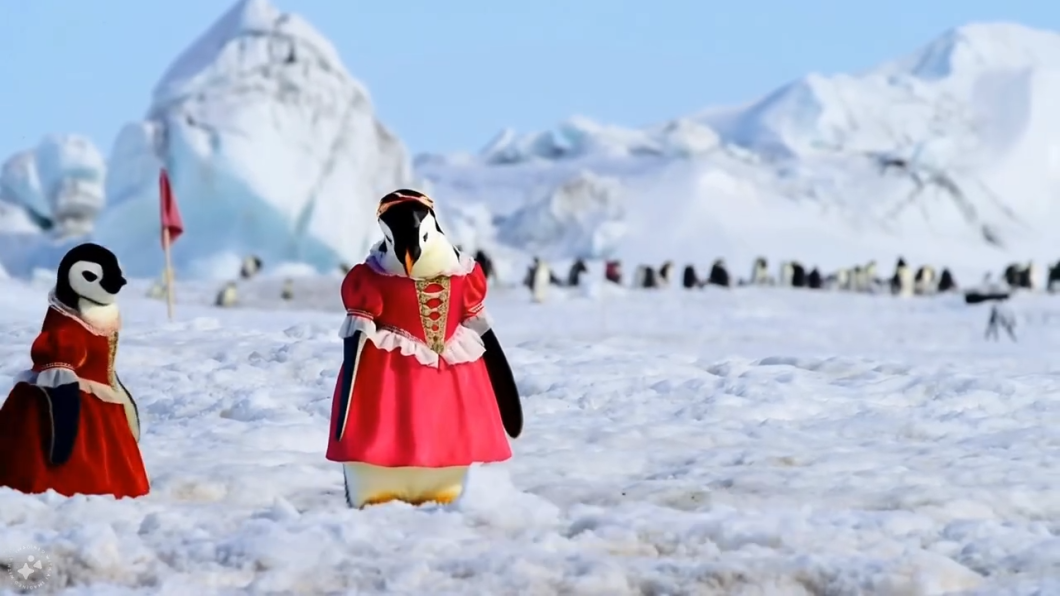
x: 582, y: 217
x: 272, y: 148
x: 950, y: 155
x: 579, y: 137
x: 59, y: 186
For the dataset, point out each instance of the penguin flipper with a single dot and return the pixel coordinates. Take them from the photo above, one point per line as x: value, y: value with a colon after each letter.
x: 351, y: 353
x: 504, y: 387
x: 63, y: 416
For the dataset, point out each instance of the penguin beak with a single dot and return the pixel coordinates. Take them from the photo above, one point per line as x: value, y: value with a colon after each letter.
x: 409, y: 262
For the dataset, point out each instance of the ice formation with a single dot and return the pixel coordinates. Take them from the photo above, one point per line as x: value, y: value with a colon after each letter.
x: 272, y: 148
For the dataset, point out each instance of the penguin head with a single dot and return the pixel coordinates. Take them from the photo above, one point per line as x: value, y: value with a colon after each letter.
x: 89, y: 272
x: 412, y: 235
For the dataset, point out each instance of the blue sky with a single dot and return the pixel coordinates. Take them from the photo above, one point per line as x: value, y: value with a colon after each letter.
x: 448, y: 74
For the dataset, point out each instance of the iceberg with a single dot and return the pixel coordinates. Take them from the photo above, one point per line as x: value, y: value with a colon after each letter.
x: 272, y: 149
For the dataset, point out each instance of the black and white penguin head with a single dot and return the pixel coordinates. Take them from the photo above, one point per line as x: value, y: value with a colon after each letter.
x: 89, y: 273
x: 413, y: 241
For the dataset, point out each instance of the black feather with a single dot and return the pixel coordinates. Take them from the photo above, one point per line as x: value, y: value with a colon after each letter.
x: 504, y: 387
x: 350, y: 352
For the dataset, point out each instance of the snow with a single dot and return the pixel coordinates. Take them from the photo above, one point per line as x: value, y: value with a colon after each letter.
x: 273, y: 149
x: 744, y: 442
x: 948, y: 156
x: 585, y: 215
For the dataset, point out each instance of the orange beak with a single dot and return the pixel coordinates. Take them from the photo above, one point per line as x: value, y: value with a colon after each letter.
x: 408, y: 263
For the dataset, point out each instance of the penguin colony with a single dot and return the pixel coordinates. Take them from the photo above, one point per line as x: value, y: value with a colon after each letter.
x: 904, y: 281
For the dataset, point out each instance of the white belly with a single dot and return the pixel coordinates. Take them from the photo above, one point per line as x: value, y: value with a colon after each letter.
x: 369, y: 485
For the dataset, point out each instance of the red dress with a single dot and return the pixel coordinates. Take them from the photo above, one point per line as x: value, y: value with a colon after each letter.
x: 106, y: 457
x: 421, y: 393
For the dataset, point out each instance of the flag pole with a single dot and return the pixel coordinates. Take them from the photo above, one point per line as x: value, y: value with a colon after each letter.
x: 168, y: 274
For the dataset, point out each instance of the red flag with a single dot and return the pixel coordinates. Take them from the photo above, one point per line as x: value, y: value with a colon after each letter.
x: 171, y: 220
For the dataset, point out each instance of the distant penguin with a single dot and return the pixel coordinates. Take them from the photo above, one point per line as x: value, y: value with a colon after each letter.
x: 946, y: 281
x: 1012, y: 275
x: 787, y: 272
x: 613, y: 272
x: 157, y: 290
x: 287, y: 293
x: 228, y: 296
x: 798, y: 275
x: 485, y: 262
x: 540, y: 281
x: 902, y: 280
x: 870, y: 276
x: 574, y: 277
x: 645, y: 277
x: 841, y: 279
x: 813, y: 280
x: 760, y: 272
x: 856, y: 281
x: 250, y: 267
x: 1028, y: 277
x: 689, y: 279
x: 665, y: 275
x: 924, y: 282
x: 1053, y: 284
x: 719, y: 275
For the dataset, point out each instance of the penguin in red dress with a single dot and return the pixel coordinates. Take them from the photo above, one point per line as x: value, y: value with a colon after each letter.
x: 69, y: 425
x: 425, y: 389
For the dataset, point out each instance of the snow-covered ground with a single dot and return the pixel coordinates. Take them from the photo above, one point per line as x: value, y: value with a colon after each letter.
x: 753, y: 441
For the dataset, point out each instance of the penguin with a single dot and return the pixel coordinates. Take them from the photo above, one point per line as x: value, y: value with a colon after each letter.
x: 1054, y: 278
x: 719, y: 275
x: 645, y: 277
x: 1012, y: 275
x: 787, y: 272
x: 946, y: 281
x: 157, y: 290
x: 414, y: 246
x: 540, y: 280
x: 840, y: 280
x: 902, y: 280
x: 689, y: 279
x: 485, y: 262
x: 924, y: 282
x: 662, y: 280
x: 574, y: 277
x: 88, y: 281
x: 72, y: 432
x: 813, y: 280
x: 868, y: 277
x: 613, y: 272
x: 287, y: 292
x: 856, y: 281
x: 798, y: 275
x: 227, y: 296
x: 1028, y: 277
x: 250, y: 267
x: 760, y: 272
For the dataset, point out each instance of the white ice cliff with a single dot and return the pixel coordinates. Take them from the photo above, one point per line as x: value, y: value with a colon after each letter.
x: 948, y: 155
x: 272, y: 148
x: 57, y: 186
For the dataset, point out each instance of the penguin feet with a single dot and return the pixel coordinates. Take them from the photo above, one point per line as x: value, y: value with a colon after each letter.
x: 446, y: 497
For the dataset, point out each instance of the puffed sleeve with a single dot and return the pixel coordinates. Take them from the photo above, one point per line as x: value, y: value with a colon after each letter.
x: 474, y: 315
x: 362, y: 300
x: 56, y: 354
